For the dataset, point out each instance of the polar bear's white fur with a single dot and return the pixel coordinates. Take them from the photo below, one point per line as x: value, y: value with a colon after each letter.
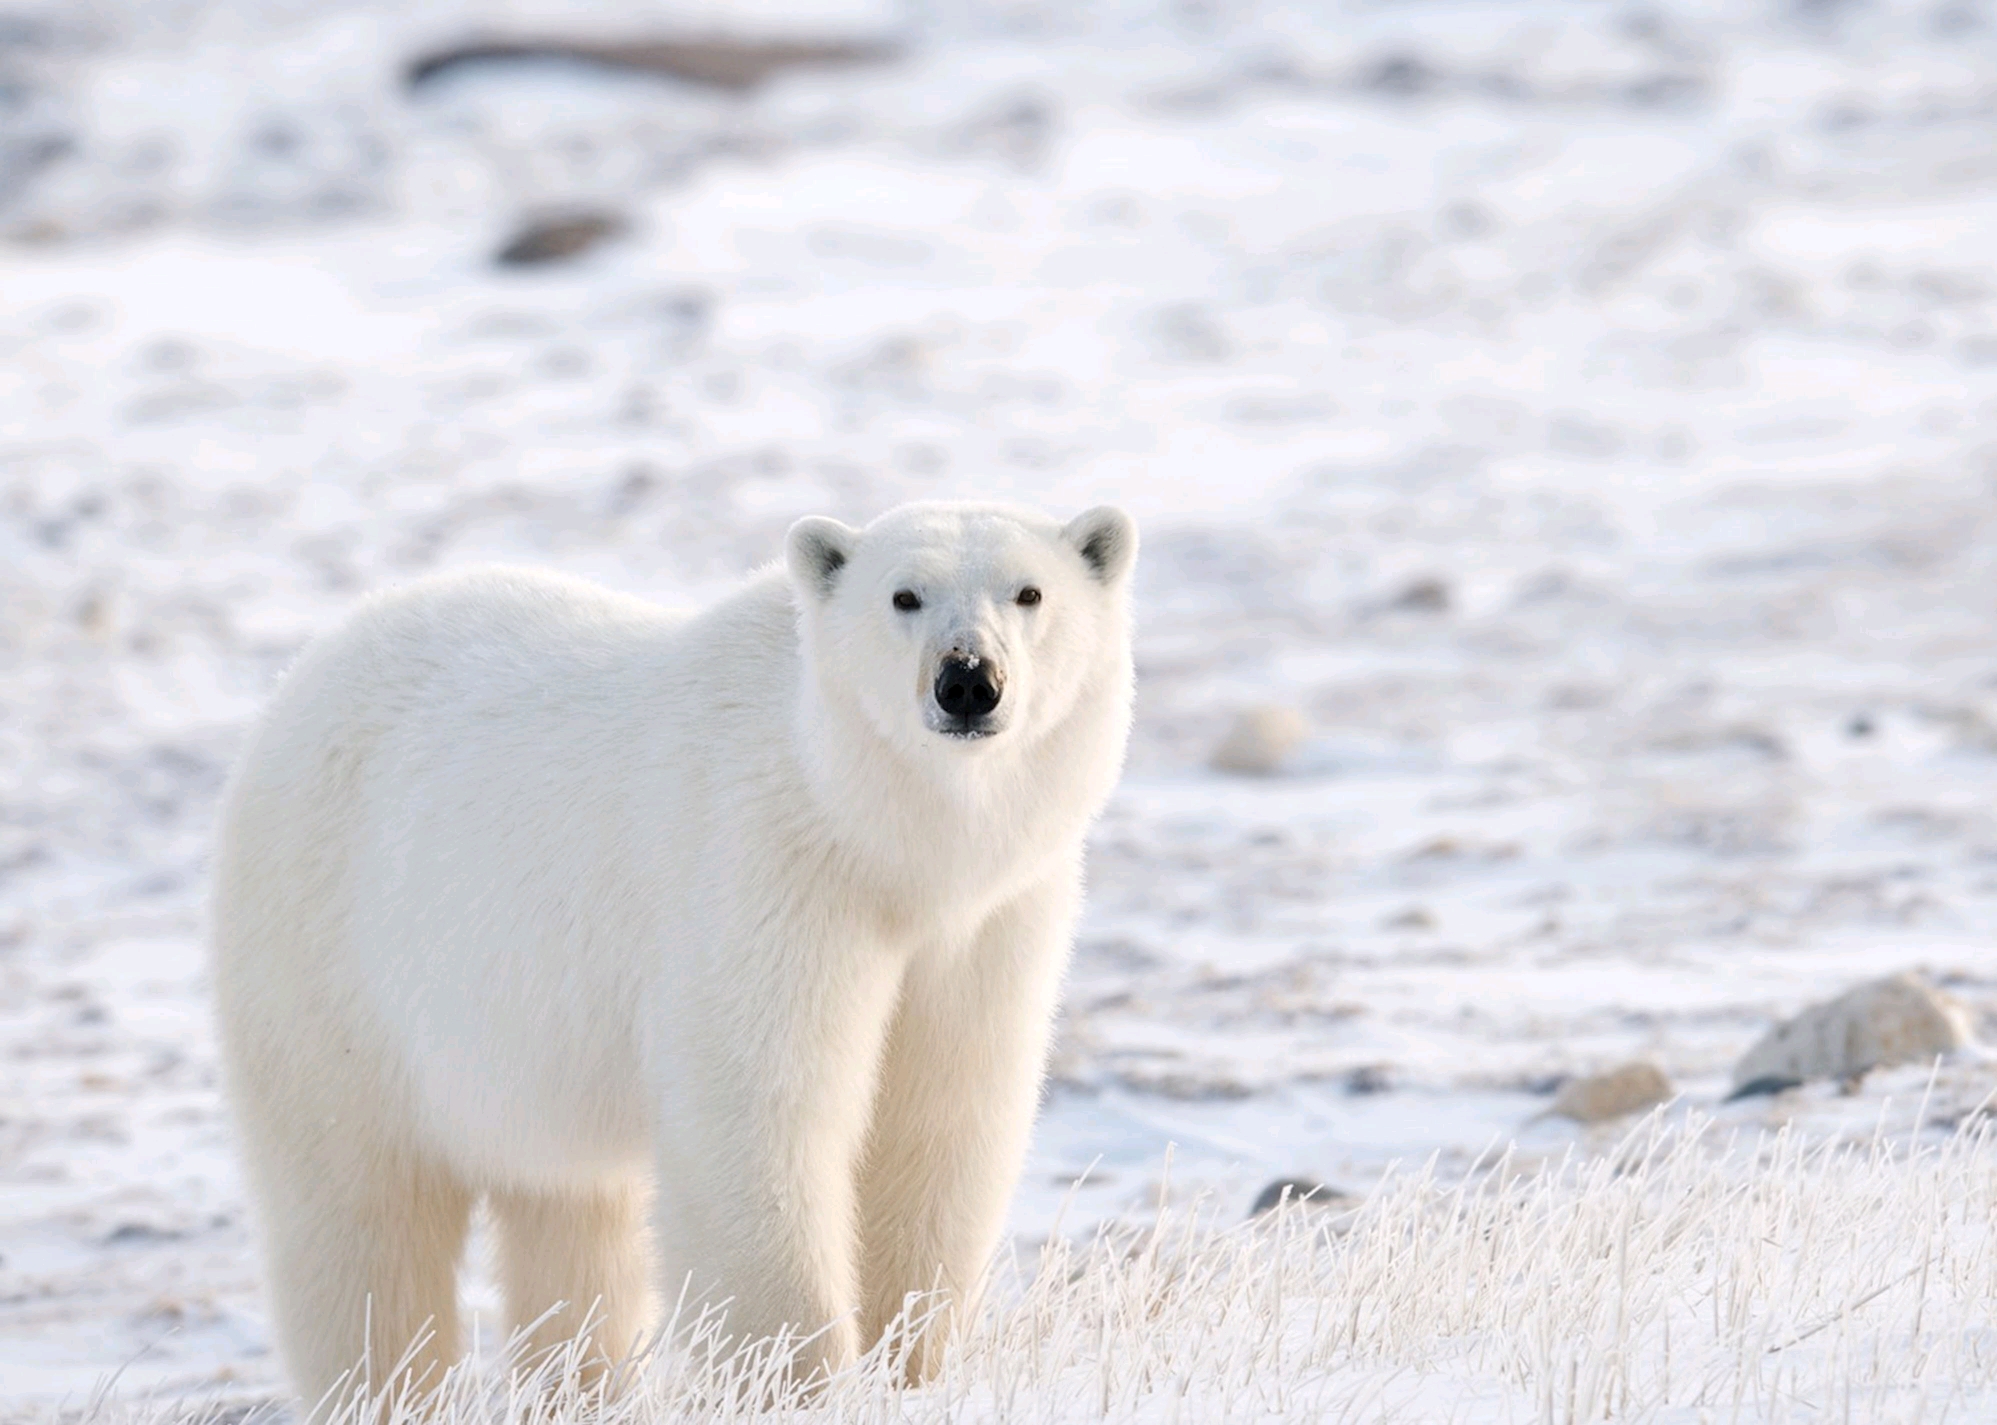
x: 531, y: 891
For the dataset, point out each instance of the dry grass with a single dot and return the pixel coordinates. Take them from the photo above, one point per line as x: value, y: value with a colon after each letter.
x: 1676, y: 1278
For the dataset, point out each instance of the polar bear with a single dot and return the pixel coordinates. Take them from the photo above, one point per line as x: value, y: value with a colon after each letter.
x: 745, y: 925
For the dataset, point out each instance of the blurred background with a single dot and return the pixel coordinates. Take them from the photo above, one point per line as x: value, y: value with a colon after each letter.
x: 1563, y: 435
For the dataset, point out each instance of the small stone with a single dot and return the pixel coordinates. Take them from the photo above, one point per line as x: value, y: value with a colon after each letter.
x: 39, y: 232
x: 129, y: 1233
x: 1289, y: 1192
x: 1422, y: 596
x: 1768, y: 1085
x: 1402, y: 75
x: 1597, y: 1098
x: 557, y: 238
x: 1897, y: 1020
x: 735, y: 64
x: 1260, y: 741
x: 1369, y: 1079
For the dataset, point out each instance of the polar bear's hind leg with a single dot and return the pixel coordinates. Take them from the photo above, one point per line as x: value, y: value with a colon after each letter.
x: 363, y: 1257
x: 570, y: 1258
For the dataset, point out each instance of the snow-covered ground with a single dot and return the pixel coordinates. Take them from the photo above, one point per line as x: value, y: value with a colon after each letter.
x: 1586, y: 413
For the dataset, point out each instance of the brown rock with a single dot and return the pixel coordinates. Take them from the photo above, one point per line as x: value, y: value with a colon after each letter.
x: 1422, y: 596
x: 715, y: 61
x: 557, y: 237
x: 1260, y: 741
x: 1597, y: 1098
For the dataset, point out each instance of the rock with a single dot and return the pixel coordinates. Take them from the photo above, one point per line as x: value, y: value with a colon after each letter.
x: 1897, y: 1020
x: 1188, y: 332
x: 716, y: 61
x: 557, y: 237
x: 130, y: 1233
x: 1289, y: 1192
x: 1260, y: 740
x: 1402, y: 75
x: 1019, y: 129
x: 1597, y: 1098
x: 1422, y: 596
x: 1369, y: 1079
x: 1767, y: 1085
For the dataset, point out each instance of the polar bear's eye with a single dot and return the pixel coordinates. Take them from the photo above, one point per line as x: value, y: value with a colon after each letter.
x: 906, y: 600
x: 1029, y: 596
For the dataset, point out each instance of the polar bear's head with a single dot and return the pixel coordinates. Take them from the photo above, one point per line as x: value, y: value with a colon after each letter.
x: 960, y: 626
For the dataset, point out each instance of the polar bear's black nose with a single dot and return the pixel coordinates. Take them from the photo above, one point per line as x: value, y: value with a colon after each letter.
x: 968, y: 687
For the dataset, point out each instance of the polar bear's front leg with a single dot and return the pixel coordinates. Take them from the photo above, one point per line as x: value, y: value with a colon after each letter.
x: 959, y: 1086
x: 767, y: 1081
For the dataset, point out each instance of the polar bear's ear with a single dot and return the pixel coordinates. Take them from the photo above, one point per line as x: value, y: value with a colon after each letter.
x: 1107, y: 540
x: 815, y: 550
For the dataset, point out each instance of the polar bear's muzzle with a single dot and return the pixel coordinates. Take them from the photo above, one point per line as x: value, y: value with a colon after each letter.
x: 968, y: 690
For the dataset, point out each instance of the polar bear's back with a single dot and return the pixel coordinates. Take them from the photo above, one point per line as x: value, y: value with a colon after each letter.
x: 481, y: 634
x: 455, y: 677
x: 436, y: 839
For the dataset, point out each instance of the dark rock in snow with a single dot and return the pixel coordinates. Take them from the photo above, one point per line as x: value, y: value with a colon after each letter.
x: 557, y: 238
x: 1368, y: 1079
x: 1423, y: 596
x: 1290, y: 1191
x: 737, y: 65
x: 1767, y: 1084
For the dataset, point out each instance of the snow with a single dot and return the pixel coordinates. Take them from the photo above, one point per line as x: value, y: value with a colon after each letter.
x: 1661, y: 342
